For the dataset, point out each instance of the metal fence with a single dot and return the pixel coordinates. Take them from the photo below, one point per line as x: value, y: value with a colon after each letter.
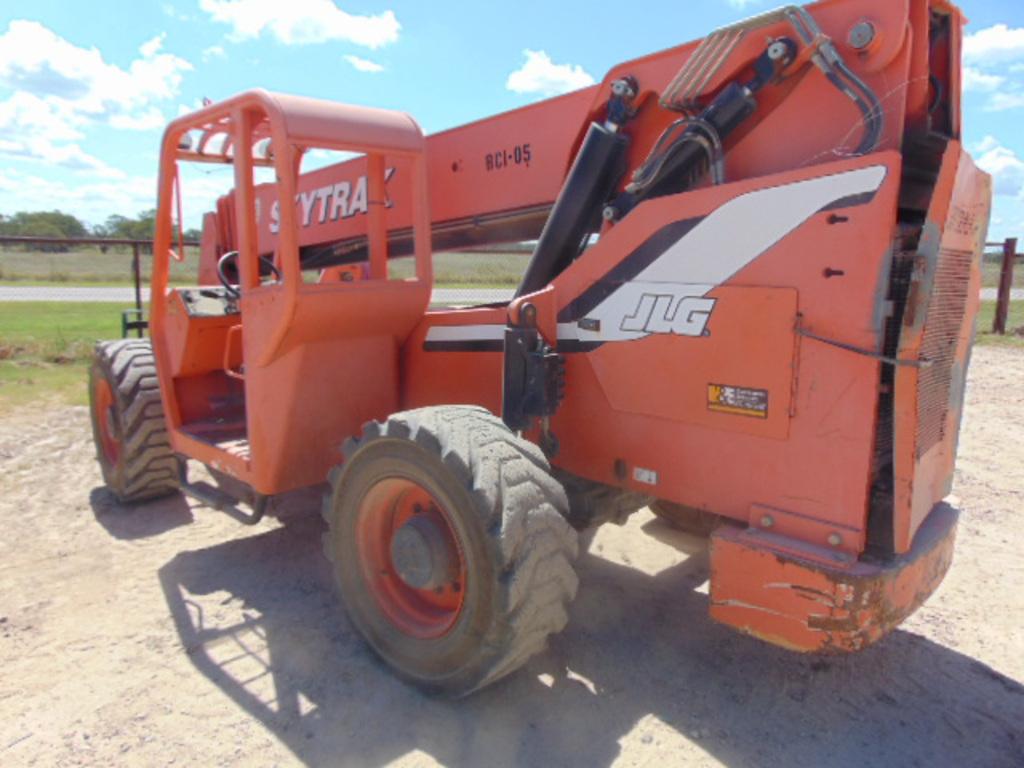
x: 96, y: 269
x: 1005, y: 292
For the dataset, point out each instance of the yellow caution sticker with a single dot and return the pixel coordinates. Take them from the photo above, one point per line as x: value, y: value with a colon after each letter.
x: 740, y: 401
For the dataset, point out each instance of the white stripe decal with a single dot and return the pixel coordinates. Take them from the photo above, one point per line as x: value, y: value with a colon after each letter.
x: 670, y: 295
x: 442, y: 333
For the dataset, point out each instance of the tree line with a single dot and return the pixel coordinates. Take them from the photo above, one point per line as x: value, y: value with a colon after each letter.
x: 60, y: 224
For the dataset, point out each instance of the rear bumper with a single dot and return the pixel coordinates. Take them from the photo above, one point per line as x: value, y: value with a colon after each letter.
x: 810, y: 600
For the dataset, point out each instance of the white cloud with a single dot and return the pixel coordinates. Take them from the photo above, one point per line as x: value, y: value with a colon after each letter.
x: 151, y: 48
x: 59, y: 89
x: 542, y: 76
x: 36, y: 60
x: 993, y: 58
x: 187, y: 109
x: 70, y: 156
x: 25, y: 114
x: 743, y: 3
x: 1000, y: 102
x: 151, y: 119
x: 976, y: 80
x: 92, y: 202
x: 299, y: 22
x: 32, y: 128
x: 986, y: 144
x: 997, y: 44
x: 214, y: 52
x: 174, y: 13
x: 363, y: 65
x: 95, y: 200
x: 1006, y: 167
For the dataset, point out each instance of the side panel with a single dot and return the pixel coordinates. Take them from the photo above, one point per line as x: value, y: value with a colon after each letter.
x: 468, y: 371
x: 801, y: 252
x: 743, y: 366
x: 938, y: 331
x: 695, y: 293
x: 337, y: 368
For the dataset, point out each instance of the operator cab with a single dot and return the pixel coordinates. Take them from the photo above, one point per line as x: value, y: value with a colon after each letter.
x: 230, y: 354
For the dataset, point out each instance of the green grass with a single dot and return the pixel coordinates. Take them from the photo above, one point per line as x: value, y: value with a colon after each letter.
x: 93, y: 267
x: 46, y: 346
x: 56, y: 331
x: 990, y: 273
x: 1014, y: 325
x: 27, y: 382
x: 87, y: 266
x: 468, y: 269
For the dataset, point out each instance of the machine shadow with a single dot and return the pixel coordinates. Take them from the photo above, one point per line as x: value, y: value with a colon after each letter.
x: 139, y: 521
x: 638, y: 649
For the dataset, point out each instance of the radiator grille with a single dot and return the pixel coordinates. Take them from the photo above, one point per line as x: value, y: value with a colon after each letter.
x: 946, y: 309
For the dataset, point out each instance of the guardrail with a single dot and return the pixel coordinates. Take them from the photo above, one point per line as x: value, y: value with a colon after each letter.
x: 138, y: 324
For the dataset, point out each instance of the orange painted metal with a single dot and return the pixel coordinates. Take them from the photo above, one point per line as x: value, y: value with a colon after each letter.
x: 103, y: 407
x: 810, y: 600
x: 480, y: 193
x: 303, y: 344
x: 390, y: 504
x: 929, y: 399
x: 798, y: 327
x: 472, y: 201
x: 812, y: 454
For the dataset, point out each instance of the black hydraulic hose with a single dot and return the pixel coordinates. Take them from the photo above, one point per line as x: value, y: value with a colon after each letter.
x: 869, y: 105
x: 871, y: 133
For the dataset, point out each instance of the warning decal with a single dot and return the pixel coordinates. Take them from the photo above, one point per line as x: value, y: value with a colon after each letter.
x: 738, y: 400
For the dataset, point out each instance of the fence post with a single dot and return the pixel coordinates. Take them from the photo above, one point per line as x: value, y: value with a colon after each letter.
x: 1005, y: 283
x: 137, y: 277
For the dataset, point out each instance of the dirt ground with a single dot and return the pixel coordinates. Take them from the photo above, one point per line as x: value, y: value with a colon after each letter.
x: 172, y: 635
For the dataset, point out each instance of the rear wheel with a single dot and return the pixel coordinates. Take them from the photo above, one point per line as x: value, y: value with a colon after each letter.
x: 450, y: 547
x: 128, y: 424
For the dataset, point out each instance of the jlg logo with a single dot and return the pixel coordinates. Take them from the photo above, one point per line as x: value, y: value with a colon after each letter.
x: 665, y: 313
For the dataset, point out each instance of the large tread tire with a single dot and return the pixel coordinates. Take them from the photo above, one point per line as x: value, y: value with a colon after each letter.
x: 511, y: 526
x: 144, y: 466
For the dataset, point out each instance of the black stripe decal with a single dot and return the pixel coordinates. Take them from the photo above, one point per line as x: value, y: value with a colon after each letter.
x: 850, y: 201
x: 575, y: 346
x: 475, y: 345
x: 626, y: 270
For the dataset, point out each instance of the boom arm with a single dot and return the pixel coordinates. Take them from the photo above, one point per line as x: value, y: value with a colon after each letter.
x: 496, y: 180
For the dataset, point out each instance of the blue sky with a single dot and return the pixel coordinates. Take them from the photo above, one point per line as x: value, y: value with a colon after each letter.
x: 85, y: 88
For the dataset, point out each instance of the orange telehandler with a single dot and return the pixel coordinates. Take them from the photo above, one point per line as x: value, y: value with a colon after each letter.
x: 751, y: 301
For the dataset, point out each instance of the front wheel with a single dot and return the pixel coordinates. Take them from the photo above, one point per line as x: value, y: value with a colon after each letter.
x: 450, y: 546
x: 128, y: 424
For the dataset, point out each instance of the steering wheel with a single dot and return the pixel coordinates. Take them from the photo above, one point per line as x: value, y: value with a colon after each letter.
x: 222, y: 264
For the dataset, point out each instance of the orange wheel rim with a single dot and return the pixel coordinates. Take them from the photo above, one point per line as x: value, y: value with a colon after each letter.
x: 392, y: 508
x: 103, y: 410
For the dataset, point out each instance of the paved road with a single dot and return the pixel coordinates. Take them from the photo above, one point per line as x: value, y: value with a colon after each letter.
x: 440, y: 295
